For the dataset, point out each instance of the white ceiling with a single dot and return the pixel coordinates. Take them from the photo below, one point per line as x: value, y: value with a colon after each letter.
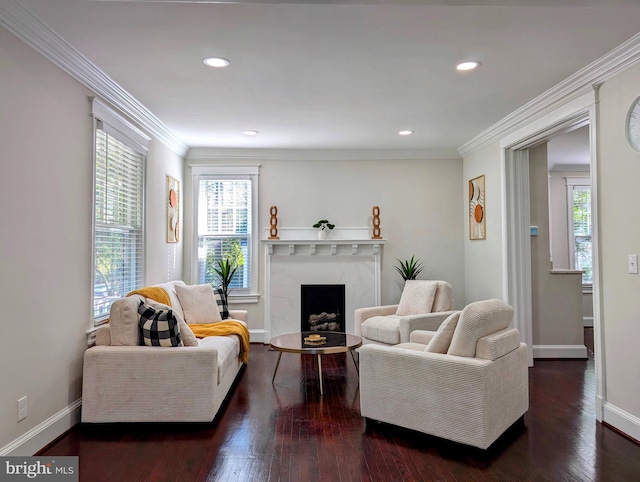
x: 319, y: 75
x: 571, y: 148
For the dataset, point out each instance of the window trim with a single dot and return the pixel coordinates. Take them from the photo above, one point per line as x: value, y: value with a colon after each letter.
x: 223, y: 172
x: 571, y: 183
x: 108, y: 120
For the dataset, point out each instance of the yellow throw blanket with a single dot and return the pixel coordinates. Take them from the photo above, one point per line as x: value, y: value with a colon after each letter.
x: 155, y: 293
x: 221, y: 328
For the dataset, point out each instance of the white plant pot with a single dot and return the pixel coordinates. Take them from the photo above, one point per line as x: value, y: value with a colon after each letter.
x: 323, y: 234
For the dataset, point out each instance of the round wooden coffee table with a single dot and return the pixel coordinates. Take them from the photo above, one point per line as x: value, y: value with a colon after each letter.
x: 333, y: 342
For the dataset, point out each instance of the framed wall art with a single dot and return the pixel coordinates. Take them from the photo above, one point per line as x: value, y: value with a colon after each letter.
x: 477, y: 209
x: 173, y: 210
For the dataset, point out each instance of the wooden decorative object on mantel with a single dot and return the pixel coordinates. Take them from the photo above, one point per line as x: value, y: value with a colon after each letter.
x: 273, y: 220
x: 376, y: 223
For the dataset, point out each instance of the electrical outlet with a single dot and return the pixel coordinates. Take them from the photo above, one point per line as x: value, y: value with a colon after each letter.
x: 22, y: 408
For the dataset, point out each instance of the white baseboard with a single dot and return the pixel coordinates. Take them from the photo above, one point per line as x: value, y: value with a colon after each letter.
x: 45, y: 432
x: 258, y: 336
x: 559, y: 351
x: 587, y: 321
x: 623, y: 421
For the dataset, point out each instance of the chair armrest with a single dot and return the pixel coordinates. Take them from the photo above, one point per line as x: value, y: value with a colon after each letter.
x: 103, y: 335
x: 421, y: 336
x: 426, y: 321
x: 241, y: 315
x: 360, y: 315
x: 149, y: 384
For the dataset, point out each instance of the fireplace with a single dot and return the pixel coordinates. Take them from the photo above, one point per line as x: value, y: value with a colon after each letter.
x: 322, y: 307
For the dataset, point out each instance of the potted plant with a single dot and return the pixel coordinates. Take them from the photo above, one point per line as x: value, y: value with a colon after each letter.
x: 225, y: 270
x: 409, y: 269
x: 324, y: 225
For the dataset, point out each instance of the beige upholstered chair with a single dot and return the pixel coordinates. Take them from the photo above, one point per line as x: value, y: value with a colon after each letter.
x: 424, y: 304
x: 467, y: 382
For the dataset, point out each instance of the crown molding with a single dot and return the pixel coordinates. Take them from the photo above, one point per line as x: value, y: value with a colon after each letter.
x: 577, y: 84
x: 27, y: 27
x: 571, y: 168
x: 207, y: 153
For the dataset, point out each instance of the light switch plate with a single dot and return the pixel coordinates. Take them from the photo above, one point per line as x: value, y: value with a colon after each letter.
x: 632, y: 263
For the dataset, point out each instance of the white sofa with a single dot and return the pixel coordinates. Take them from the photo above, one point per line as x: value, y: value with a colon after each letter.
x: 467, y: 382
x: 124, y: 382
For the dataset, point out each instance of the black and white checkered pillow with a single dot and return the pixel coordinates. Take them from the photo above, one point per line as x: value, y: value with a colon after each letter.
x: 221, y: 299
x: 158, y: 327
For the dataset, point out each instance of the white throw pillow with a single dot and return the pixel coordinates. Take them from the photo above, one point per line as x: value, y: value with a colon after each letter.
x: 198, y: 303
x: 123, y: 321
x: 188, y: 338
x: 417, y: 297
x: 442, y: 339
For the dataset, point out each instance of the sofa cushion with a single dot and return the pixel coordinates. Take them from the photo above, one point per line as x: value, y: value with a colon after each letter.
x: 442, y: 339
x: 477, y: 320
x: 123, y: 321
x: 188, y: 338
x: 198, y: 303
x: 228, y: 351
x: 223, y: 303
x: 417, y: 297
x: 384, y: 329
x: 158, y: 327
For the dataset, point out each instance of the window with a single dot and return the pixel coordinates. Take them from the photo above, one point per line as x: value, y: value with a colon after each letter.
x: 226, y: 223
x: 118, y: 248
x: 580, y: 228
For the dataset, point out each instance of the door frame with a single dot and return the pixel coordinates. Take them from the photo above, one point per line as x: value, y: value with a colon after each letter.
x: 516, y: 220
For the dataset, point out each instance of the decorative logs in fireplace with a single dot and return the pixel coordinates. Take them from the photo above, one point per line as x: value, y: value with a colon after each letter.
x: 322, y: 308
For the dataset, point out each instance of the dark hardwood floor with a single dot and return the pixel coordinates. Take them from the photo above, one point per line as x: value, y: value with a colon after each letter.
x: 288, y: 432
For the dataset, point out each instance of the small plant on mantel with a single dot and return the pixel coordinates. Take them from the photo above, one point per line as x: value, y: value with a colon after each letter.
x: 323, y: 228
x: 324, y: 224
x: 409, y: 269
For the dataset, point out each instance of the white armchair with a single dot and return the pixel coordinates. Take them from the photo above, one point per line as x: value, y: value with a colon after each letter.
x: 467, y: 382
x: 424, y: 305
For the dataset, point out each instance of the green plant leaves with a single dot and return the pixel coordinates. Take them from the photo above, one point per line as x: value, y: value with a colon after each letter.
x: 409, y: 269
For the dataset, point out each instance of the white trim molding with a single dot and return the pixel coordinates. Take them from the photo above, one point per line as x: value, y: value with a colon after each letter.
x: 204, y: 153
x: 42, y: 434
x: 27, y: 27
x: 621, y: 420
x: 559, y: 351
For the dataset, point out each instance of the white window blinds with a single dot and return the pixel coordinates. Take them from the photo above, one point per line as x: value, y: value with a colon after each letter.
x: 118, y: 244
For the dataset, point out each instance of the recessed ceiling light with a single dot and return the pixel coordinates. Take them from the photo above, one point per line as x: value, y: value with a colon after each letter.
x: 250, y: 133
x: 405, y: 133
x: 470, y: 65
x: 216, y: 62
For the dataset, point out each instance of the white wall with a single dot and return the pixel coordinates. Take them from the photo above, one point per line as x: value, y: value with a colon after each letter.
x: 163, y: 261
x: 483, y: 262
x: 419, y: 202
x: 45, y: 248
x: 618, y: 175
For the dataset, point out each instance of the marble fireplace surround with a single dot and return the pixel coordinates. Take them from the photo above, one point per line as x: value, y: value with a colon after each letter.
x: 349, y: 256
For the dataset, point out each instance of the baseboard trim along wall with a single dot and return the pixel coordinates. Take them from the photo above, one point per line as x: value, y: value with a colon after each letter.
x: 258, y: 336
x: 559, y: 351
x: 621, y: 420
x: 44, y: 433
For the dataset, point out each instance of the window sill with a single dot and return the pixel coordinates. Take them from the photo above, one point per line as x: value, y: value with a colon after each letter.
x: 243, y: 299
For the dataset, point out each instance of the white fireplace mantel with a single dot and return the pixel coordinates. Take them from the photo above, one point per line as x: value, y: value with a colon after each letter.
x: 349, y: 256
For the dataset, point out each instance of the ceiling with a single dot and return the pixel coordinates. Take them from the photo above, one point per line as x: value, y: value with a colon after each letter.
x: 338, y: 75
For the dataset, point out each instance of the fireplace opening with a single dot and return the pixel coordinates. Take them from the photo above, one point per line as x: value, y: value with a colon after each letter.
x: 322, y: 308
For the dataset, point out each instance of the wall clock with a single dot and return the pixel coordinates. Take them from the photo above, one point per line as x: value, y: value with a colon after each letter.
x: 633, y: 125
